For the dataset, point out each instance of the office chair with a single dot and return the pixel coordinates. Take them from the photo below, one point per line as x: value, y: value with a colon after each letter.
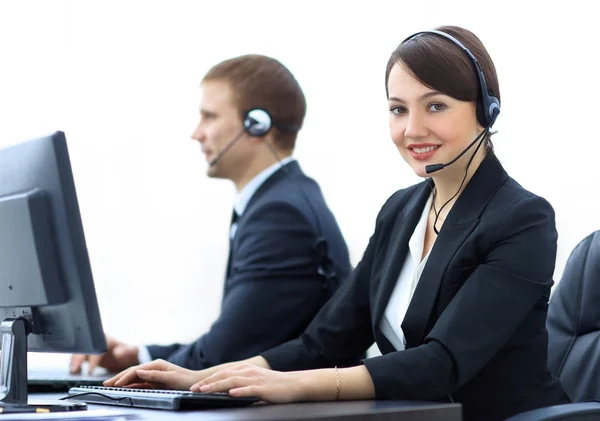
x: 574, y: 323
x: 583, y: 411
x: 574, y: 337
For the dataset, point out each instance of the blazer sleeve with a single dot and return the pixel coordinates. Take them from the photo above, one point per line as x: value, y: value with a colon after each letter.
x: 341, y: 332
x: 273, y: 291
x: 498, y: 296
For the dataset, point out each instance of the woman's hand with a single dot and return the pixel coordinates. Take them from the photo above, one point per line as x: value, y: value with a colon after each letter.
x: 250, y: 380
x: 157, y: 374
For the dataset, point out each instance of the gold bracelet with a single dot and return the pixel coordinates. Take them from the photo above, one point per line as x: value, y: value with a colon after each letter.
x: 338, y: 384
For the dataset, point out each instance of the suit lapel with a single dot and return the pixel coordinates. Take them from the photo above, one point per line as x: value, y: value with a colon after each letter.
x: 404, y: 225
x: 462, y: 219
x: 419, y: 310
x: 227, y: 272
x: 293, y: 169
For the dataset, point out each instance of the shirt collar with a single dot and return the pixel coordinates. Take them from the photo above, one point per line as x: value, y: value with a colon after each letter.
x: 417, y: 240
x: 243, y: 197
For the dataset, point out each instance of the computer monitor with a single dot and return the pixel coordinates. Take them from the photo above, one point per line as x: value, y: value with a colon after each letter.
x: 47, y: 295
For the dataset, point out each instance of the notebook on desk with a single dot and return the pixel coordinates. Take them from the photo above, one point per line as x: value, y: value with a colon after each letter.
x: 173, y: 400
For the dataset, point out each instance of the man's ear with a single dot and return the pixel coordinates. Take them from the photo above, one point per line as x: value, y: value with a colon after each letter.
x: 269, y: 137
x: 255, y: 139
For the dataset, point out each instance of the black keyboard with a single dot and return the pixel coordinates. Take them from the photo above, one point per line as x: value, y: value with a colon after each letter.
x: 156, y: 399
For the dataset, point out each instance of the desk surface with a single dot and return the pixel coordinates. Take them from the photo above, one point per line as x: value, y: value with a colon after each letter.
x: 321, y: 411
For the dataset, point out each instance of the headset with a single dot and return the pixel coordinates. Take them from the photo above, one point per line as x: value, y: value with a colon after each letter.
x: 258, y: 122
x: 488, y: 106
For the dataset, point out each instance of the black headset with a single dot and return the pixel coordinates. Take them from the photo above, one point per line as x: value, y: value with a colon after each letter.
x: 488, y: 107
x: 258, y: 122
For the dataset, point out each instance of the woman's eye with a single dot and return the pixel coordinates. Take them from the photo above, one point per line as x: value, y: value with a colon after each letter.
x: 397, y: 110
x: 437, y: 107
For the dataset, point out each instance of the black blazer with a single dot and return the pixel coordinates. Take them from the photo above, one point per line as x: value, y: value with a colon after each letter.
x: 475, y: 327
x: 272, y: 290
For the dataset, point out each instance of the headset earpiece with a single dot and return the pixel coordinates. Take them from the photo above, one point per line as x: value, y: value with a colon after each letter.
x: 490, y: 108
x: 257, y: 122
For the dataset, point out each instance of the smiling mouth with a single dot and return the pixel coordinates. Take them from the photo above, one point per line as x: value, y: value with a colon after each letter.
x: 424, y: 150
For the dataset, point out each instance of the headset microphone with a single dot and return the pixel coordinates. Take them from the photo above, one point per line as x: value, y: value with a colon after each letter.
x: 257, y: 122
x: 436, y: 167
x: 229, y: 145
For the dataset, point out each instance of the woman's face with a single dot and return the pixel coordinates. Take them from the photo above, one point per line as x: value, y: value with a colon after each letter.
x: 427, y: 126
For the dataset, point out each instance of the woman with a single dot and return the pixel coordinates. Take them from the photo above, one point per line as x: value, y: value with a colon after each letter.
x: 455, y: 281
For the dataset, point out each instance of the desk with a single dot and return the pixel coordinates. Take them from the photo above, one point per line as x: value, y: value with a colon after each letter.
x: 319, y: 411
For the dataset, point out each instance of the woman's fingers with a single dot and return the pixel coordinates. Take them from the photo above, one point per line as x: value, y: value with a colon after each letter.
x: 246, y: 370
x: 141, y: 386
x: 230, y: 383
x: 251, y: 391
x: 166, y: 379
x: 117, y: 379
x: 128, y: 377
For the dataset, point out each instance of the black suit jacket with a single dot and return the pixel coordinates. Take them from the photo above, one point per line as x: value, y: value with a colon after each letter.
x: 272, y: 290
x: 475, y: 327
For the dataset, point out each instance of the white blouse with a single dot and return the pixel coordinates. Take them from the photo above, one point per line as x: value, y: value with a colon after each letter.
x: 410, y: 273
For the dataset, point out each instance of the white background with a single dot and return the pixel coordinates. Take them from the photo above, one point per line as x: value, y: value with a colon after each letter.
x: 121, y: 78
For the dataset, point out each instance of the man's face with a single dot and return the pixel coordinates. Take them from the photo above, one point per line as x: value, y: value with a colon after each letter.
x: 220, y: 123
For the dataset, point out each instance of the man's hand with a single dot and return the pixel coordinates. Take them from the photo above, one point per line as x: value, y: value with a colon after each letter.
x: 117, y: 357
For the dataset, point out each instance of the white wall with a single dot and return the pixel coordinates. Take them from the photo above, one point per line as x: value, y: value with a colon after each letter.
x: 121, y: 79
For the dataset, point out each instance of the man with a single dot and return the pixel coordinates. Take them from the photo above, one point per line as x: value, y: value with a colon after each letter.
x: 287, y: 254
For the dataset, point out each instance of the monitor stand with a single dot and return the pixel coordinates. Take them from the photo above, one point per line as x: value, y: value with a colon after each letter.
x: 13, y: 372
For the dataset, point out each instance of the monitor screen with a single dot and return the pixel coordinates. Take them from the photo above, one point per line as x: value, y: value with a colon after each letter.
x: 45, y: 275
